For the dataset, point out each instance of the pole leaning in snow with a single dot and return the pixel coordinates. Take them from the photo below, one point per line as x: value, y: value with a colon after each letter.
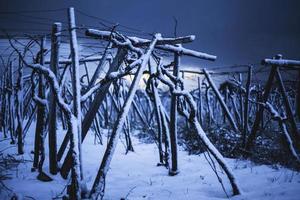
x: 223, y: 104
x: 99, y: 182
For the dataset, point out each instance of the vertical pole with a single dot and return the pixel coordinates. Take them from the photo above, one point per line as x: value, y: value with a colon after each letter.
x: 173, y: 122
x: 41, y: 114
x: 200, y: 102
x: 246, y: 106
x: 241, y: 103
x: 55, y: 43
x: 11, y: 102
x: 298, y: 97
x: 19, y: 108
x: 75, y: 143
x: 158, y: 115
x: 289, y: 111
x: 259, y: 113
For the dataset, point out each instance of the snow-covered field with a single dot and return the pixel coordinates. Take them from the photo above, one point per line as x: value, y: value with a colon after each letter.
x: 136, y: 176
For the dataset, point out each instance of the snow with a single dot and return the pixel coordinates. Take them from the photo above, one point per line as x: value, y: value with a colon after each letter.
x: 136, y: 176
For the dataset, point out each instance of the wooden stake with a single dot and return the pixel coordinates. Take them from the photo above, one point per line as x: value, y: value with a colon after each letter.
x: 221, y: 101
x: 246, y: 106
x: 55, y: 43
x: 173, y: 121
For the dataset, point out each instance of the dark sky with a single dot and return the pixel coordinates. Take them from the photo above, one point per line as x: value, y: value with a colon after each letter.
x: 237, y: 31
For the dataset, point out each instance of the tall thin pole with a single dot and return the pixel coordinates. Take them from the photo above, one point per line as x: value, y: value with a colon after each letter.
x: 55, y: 43
x: 75, y: 137
x: 246, y: 110
x: 173, y: 122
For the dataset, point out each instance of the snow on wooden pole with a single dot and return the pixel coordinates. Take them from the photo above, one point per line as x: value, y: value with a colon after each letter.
x: 281, y: 62
x: 75, y: 136
x: 157, y: 108
x: 221, y: 101
x: 173, y: 121
x: 41, y: 112
x: 99, y: 182
x: 55, y: 43
x: 166, y: 44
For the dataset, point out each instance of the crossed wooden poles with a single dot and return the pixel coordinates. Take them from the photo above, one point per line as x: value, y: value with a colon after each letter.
x: 275, y: 63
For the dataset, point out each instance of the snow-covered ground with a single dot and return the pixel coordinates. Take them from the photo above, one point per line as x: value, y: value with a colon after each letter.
x: 136, y: 176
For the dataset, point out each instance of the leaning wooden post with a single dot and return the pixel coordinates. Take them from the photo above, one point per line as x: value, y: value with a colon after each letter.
x: 259, y: 113
x: 221, y: 101
x: 75, y: 141
x: 19, y: 108
x: 55, y: 43
x: 173, y: 121
x: 11, y: 103
x: 289, y: 111
x: 200, y: 107
x: 41, y: 113
x: 298, y: 97
x: 157, y: 114
x: 246, y: 106
x: 91, y: 113
x: 99, y: 183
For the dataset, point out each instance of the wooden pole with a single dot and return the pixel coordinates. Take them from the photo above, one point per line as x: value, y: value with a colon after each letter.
x: 298, y: 97
x: 76, y: 87
x: 54, y: 66
x: 173, y: 121
x: 99, y: 183
x: 158, y: 117
x: 246, y: 106
x: 19, y: 108
x: 289, y: 111
x: 41, y: 112
x: 90, y: 115
x: 259, y: 113
x: 11, y: 103
x: 221, y: 101
x: 241, y: 103
x: 200, y: 107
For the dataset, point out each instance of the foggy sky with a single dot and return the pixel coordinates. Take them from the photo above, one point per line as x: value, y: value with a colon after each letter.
x: 237, y: 31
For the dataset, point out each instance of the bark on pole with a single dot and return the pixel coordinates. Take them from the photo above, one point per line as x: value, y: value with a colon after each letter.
x: 221, y: 101
x: 55, y: 43
x: 173, y: 121
x: 99, y: 182
x: 75, y: 136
